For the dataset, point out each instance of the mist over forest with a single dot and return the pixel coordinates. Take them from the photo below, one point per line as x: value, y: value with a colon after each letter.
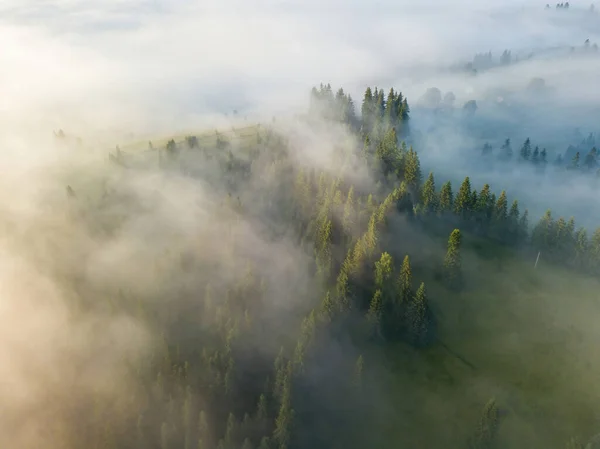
x: 299, y: 224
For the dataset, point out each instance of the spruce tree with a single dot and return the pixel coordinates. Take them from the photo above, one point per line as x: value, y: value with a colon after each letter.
x: 367, y: 149
x: 387, y: 152
x: 543, y: 233
x: 384, y: 269
x: 500, y: 218
x: 501, y: 209
x: 429, y: 195
x: 462, y: 203
x: 484, y: 207
x: 418, y: 317
x: 446, y: 198
x: 405, y: 282
x: 391, y: 107
x: 575, y: 162
x: 339, y: 113
x: 453, y: 262
x: 375, y: 313
x: 324, y: 248
x: 367, y: 111
x: 350, y: 111
x: 399, y: 107
x: 394, y: 319
x: 405, y: 110
x: 526, y: 149
x: 349, y: 217
x: 473, y: 202
x: 560, y: 238
x: 535, y: 157
x: 412, y: 171
x: 280, y: 366
x: 379, y: 106
x: 581, y: 249
x: 513, y: 222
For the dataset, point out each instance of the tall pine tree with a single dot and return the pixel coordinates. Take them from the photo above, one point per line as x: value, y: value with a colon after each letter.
x: 446, y: 201
x: 453, y: 261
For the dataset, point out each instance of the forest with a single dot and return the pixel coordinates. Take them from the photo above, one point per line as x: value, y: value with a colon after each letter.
x: 209, y: 253
x: 368, y: 247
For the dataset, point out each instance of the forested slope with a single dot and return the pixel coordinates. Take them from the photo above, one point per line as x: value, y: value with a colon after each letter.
x: 339, y: 299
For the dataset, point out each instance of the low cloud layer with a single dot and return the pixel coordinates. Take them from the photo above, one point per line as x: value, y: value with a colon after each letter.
x: 97, y: 66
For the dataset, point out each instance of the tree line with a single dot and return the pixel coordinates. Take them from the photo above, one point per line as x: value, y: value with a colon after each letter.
x: 582, y: 158
x: 212, y: 383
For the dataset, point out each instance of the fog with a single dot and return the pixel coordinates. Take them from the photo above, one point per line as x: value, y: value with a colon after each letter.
x: 74, y: 61
x: 120, y: 70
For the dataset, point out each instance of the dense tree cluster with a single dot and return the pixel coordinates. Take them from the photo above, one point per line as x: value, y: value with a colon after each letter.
x: 379, y: 113
x: 536, y: 156
x: 486, y: 61
x: 212, y: 385
x: 339, y: 107
x: 582, y: 158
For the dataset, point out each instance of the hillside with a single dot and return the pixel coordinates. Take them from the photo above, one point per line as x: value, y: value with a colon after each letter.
x: 516, y: 336
x: 302, y: 304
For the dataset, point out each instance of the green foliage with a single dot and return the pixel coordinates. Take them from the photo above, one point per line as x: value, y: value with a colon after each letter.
x: 453, y: 262
x: 374, y: 315
x: 429, y: 195
x: 387, y: 152
x: 418, y: 321
x: 349, y: 218
x: 446, y: 198
x: 405, y: 282
x: 350, y: 234
x: 463, y: 201
x: 284, y: 421
x: 501, y: 209
x: 384, y: 270
x: 484, y: 208
x: 412, y: 171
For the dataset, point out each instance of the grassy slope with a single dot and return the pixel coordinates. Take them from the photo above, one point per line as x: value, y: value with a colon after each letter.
x: 528, y: 339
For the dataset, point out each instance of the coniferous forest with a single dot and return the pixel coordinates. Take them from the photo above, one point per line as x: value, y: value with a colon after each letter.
x: 275, y: 316
x: 373, y: 269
